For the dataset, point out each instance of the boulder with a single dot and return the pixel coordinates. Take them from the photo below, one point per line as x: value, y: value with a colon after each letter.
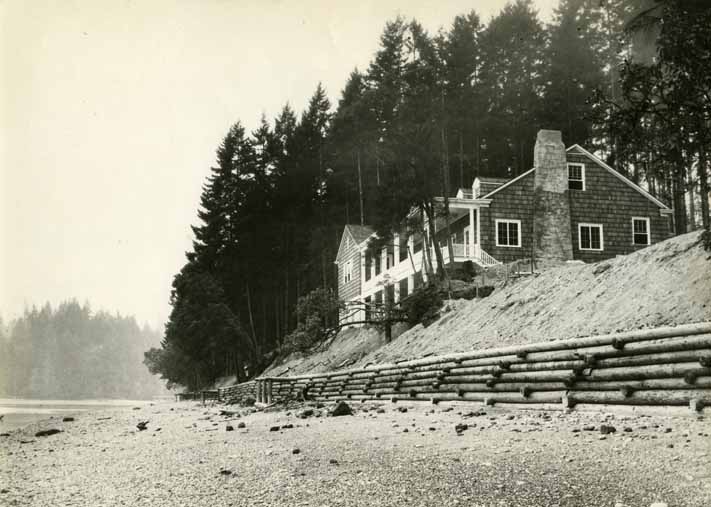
x: 341, y: 408
x: 46, y: 433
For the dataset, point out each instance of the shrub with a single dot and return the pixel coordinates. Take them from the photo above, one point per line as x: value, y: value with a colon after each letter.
x: 469, y: 270
x: 706, y: 240
x: 315, y: 310
x: 423, y: 305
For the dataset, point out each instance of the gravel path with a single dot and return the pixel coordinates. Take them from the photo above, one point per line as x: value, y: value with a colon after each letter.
x: 379, y: 456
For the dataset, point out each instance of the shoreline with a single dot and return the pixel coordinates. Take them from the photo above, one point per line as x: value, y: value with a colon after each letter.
x: 400, y: 454
x: 20, y: 412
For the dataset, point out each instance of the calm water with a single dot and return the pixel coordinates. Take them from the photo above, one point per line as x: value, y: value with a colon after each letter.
x: 18, y: 412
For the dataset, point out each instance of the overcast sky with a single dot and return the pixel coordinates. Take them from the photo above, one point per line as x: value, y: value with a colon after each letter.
x: 110, y: 113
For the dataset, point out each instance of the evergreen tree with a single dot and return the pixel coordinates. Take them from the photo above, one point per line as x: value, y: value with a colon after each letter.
x: 348, y: 140
x: 512, y: 72
x: 462, y: 59
x: 70, y: 352
x: 572, y: 75
x: 664, y: 105
x: 385, y: 82
x: 203, y: 329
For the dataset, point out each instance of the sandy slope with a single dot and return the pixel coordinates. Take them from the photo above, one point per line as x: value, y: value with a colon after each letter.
x: 504, y: 458
x: 665, y: 284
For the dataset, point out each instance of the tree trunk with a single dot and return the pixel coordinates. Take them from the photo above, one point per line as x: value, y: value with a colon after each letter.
x: 679, y: 199
x: 703, y: 188
x: 477, y: 155
x: 692, y: 196
x: 377, y: 165
x: 426, y: 251
x: 461, y: 159
x: 445, y: 194
x: 360, y: 190
x: 429, y: 210
x: 255, y: 344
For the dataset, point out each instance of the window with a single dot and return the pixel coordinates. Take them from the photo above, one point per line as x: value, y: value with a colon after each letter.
x: 368, y: 266
x: 389, y: 294
x: 640, y: 231
x: 417, y: 243
x: 590, y: 237
x: 508, y: 233
x: 402, y: 256
x: 403, y: 288
x: 348, y: 272
x: 576, y: 176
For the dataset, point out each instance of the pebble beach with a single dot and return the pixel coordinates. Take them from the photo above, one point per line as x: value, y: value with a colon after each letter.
x: 383, y: 454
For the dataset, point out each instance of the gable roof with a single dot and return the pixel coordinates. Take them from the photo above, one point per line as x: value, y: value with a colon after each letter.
x: 358, y: 233
x: 508, y: 182
x: 583, y: 151
x: 491, y: 179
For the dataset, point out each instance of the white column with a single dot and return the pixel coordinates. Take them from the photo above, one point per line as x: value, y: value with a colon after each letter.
x: 435, y: 244
x: 396, y: 290
x: 362, y: 271
x: 478, y: 231
x: 384, y: 260
x: 396, y: 249
x: 471, y: 232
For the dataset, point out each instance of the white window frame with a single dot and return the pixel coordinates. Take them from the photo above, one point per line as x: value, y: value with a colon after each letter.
x: 507, y: 221
x: 348, y: 272
x: 649, y: 231
x: 582, y: 174
x: 580, y: 237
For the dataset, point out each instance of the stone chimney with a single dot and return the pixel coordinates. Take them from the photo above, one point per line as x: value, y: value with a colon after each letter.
x: 552, y: 238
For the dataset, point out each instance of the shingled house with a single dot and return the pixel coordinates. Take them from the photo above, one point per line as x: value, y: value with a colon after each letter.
x: 570, y: 206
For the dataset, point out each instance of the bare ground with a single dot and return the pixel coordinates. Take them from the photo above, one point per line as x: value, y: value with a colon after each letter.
x: 504, y: 458
x: 666, y: 284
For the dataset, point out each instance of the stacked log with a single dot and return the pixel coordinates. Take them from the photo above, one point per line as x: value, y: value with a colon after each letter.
x: 238, y: 392
x: 662, y: 366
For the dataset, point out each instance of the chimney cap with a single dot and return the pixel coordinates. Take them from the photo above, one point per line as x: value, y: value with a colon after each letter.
x: 549, y: 136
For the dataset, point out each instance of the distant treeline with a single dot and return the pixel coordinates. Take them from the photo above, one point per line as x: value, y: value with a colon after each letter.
x: 69, y: 352
x: 627, y: 79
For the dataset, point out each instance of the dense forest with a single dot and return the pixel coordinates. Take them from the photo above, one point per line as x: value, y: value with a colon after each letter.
x: 69, y: 352
x: 626, y: 79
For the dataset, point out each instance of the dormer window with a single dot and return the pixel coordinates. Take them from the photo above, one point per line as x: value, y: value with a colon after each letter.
x: 576, y: 176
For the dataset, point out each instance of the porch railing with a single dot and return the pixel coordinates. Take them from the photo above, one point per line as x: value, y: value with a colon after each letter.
x: 465, y: 251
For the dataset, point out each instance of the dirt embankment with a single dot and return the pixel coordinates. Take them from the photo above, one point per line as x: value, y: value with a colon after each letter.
x: 665, y: 284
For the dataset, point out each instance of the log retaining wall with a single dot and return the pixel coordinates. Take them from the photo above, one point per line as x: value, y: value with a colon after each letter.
x: 667, y: 366
x: 237, y: 392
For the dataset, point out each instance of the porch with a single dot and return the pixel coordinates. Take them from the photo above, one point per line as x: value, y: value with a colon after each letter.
x: 400, y: 266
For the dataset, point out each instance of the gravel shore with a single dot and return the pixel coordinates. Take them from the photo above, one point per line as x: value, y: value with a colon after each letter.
x: 385, y: 454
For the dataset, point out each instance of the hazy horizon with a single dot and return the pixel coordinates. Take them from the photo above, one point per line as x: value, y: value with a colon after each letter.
x: 111, y: 114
